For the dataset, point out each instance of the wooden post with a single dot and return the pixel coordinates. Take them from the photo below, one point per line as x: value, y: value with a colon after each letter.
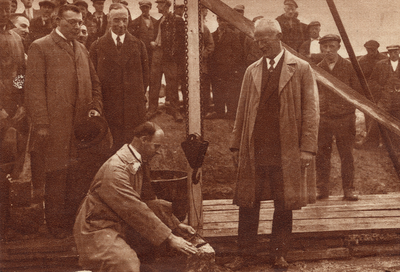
x: 194, y: 191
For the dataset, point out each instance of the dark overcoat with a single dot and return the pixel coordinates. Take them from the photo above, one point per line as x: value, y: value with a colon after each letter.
x: 61, y: 87
x: 298, y: 120
x: 123, y: 76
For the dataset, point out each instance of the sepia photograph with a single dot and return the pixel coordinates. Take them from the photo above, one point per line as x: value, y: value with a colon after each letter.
x: 199, y: 135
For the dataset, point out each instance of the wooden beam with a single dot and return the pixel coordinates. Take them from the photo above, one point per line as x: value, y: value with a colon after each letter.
x: 322, y: 76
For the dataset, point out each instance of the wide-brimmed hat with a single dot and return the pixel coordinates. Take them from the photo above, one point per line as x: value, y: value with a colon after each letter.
x: 90, y: 131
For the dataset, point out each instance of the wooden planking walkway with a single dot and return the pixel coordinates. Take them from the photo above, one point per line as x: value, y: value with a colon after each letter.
x: 371, y: 212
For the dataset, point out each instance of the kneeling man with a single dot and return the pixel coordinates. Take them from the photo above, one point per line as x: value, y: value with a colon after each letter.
x: 113, y: 216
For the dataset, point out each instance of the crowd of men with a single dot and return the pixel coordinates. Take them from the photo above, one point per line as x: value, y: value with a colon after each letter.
x: 70, y: 81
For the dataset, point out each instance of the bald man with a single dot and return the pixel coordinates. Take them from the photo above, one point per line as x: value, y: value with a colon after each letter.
x: 121, y: 62
x: 274, y: 142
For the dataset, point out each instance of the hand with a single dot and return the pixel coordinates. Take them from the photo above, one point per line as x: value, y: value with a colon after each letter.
x: 93, y: 113
x: 181, y: 245
x: 153, y: 44
x: 306, y: 158
x: 187, y: 228
x: 43, y: 133
x: 21, y: 112
x: 3, y: 114
x: 235, y: 157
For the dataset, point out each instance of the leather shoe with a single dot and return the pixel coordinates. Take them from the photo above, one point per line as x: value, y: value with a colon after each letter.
x: 280, y: 263
x: 349, y: 195
x: 237, y: 263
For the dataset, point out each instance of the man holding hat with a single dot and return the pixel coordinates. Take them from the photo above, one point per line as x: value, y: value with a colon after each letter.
x: 367, y: 64
x: 385, y: 82
x: 337, y: 120
x: 310, y: 48
x: 62, y: 88
x: 42, y: 25
x: 142, y: 27
x: 292, y: 29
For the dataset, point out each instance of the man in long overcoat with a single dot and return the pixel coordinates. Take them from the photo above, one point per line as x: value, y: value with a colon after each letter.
x: 122, y: 67
x: 61, y: 88
x: 274, y: 141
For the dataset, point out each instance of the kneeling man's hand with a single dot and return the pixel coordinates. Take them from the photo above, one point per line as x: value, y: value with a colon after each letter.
x: 186, y: 228
x: 181, y: 244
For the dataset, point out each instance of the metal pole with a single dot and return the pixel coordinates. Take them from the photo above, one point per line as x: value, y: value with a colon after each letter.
x: 361, y: 77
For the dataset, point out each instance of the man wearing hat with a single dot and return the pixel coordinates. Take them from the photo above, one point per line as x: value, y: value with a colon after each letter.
x: 120, y: 60
x: 367, y: 64
x: 99, y: 18
x: 83, y: 6
x: 142, y: 27
x: 179, y: 10
x: 310, y: 48
x: 62, y: 88
x: 292, y: 29
x: 337, y: 120
x: 42, y: 25
x: 168, y: 53
x: 385, y: 82
x: 29, y: 11
x: 12, y: 67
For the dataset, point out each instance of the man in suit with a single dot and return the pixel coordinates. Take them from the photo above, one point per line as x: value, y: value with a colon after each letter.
x: 142, y: 27
x: 310, y: 48
x: 121, y: 63
x: 274, y: 143
x: 62, y: 88
x: 225, y: 69
x: 115, y: 222
x: 168, y: 52
x: 292, y: 28
x: 42, y: 25
x: 29, y: 11
x: 367, y: 64
x: 12, y: 110
x: 385, y: 83
x: 99, y: 18
x: 337, y: 120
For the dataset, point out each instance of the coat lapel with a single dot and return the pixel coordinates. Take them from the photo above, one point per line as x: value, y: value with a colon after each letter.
x: 257, y: 75
x: 61, y: 42
x: 288, y: 69
x: 126, y: 49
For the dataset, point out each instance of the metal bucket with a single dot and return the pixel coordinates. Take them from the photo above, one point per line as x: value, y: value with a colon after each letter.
x: 171, y: 185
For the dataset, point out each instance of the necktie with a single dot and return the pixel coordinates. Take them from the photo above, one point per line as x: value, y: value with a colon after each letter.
x: 271, y: 65
x: 119, y: 44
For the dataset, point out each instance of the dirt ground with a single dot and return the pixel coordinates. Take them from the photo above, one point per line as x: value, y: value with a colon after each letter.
x: 374, y: 172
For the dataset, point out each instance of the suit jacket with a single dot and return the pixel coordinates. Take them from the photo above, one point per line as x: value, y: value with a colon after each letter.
x: 298, y: 119
x: 111, y: 208
x: 225, y: 61
x: 124, y: 77
x: 61, y: 88
x: 305, y: 51
x: 137, y: 26
x: 293, y: 36
x: 37, y: 30
x: 331, y: 104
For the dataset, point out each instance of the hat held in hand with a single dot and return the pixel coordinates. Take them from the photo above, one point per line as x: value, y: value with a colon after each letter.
x: 90, y: 131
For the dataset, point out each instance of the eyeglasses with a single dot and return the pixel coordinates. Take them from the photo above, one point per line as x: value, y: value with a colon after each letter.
x: 73, y: 22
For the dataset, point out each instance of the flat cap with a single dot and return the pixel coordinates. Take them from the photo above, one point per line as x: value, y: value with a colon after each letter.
x: 81, y: 3
x: 239, y: 8
x: 145, y: 3
x: 329, y: 38
x: 98, y: 1
x: 47, y: 3
x: 371, y: 44
x: 314, y: 23
x: 393, y: 47
x: 290, y: 2
x: 163, y: 1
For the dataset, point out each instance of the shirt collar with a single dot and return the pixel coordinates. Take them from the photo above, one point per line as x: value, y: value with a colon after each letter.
x: 136, y: 154
x: 114, y: 37
x: 276, y: 59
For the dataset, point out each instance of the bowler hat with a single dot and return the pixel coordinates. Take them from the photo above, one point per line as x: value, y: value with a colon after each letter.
x: 145, y: 3
x: 372, y: 44
x: 81, y: 3
x: 329, y: 38
x: 290, y: 2
x: 90, y: 131
x: 393, y: 47
x: 47, y: 3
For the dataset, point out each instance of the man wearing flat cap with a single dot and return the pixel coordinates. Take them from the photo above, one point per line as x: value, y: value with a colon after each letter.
x: 293, y: 30
x: 337, y: 120
x: 62, y: 88
x: 310, y: 48
x: 83, y: 6
x: 367, y: 64
x: 385, y: 82
x: 42, y: 25
x: 142, y: 27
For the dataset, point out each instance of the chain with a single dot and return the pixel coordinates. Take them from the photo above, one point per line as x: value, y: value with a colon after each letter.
x: 186, y: 103
x: 201, y: 44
